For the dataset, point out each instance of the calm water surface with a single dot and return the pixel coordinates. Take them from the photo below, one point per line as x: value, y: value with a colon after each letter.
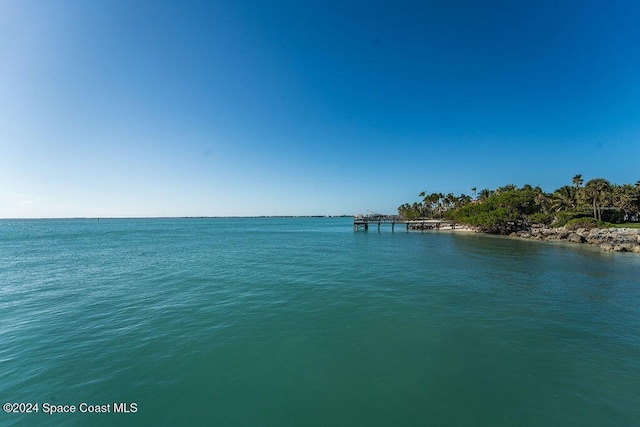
x: 292, y: 322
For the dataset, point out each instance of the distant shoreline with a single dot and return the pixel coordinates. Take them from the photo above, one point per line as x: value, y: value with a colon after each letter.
x: 175, y: 217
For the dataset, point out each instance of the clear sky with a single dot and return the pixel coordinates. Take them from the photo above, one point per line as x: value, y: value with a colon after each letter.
x: 171, y: 108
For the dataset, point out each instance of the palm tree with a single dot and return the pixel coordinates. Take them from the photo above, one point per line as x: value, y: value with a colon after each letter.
x: 577, y: 180
x: 434, y: 201
x: 624, y: 198
x: 462, y: 200
x: 596, y: 190
x: 564, y: 198
x: 448, y: 201
x: 542, y: 199
x: 508, y: 187
x: 485, y: 194
x: 424, y: 208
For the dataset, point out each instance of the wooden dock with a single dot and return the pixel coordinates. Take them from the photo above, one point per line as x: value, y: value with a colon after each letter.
x: 363, y: 221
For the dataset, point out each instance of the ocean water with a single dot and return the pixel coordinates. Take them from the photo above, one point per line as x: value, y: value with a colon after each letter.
x: 304, y: 322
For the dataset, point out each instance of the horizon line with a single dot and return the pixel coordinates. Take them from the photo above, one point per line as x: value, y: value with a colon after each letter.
x: 182, y: 217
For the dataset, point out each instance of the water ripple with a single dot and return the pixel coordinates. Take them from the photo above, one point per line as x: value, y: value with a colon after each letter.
x: 304, y: 322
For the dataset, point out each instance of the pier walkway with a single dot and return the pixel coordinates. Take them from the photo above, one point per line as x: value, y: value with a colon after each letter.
x: 415, y: 224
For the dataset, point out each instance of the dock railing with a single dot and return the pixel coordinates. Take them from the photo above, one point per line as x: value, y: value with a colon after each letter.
x: 362, y: 220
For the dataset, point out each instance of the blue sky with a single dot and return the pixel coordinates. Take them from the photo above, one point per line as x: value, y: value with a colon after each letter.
x: 165, y: 108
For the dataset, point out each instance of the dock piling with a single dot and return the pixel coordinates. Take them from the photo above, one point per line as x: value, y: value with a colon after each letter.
x: 418, y: 223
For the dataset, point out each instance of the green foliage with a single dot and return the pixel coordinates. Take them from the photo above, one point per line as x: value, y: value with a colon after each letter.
x: 587, y: 223
x: 509, y: 207
x: 565, y: 198
x: 628, y: 225
x: 563, y: 217
x: 541, y: 218
x: 410, y: 211
x: 500, y: 211
x: 598, y: 192
x: 626, y: 200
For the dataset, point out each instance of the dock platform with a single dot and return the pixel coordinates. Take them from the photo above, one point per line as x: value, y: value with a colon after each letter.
x: 363, y: 221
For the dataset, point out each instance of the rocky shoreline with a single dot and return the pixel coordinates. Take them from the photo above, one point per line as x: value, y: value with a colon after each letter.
x: 609, y: 239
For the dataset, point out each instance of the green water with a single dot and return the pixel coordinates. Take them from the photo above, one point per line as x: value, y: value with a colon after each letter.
x: 303, y: 322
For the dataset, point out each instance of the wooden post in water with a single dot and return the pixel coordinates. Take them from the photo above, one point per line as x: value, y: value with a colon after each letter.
x: 364, y: 220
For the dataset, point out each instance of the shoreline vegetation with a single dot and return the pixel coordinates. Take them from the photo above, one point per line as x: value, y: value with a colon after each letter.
x: 596, y: 212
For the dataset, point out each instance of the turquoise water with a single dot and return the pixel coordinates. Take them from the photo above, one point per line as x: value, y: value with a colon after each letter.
x: 303, y: 322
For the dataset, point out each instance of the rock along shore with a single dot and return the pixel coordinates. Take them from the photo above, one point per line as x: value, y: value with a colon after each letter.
x: 609, y: 239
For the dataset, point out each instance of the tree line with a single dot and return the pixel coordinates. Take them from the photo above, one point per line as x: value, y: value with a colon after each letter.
x: 510, y: 207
